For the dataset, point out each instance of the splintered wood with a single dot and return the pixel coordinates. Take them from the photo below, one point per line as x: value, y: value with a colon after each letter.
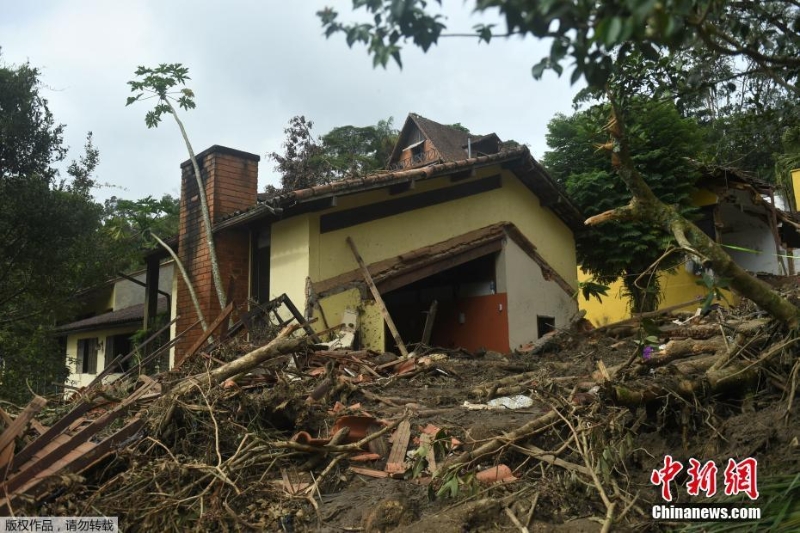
x: 396, y: 463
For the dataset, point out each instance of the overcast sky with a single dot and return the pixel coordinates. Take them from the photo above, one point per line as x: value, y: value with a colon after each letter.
x: 254, y: 65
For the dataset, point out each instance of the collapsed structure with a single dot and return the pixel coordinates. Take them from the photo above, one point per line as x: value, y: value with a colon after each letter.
x: 484, y: 232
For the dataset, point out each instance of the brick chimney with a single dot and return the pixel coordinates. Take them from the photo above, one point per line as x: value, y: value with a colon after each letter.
x: 231, y: 184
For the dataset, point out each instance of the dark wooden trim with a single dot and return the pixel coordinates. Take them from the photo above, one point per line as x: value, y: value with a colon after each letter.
x: 151, y: 294
x: 310, y: 206
x: 359, y: 215
x: 463, y: 175
x: 399, y: 188
x: 427, y: 270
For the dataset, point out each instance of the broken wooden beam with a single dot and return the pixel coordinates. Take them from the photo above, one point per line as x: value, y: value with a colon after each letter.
x: 378, y: 299
x: 16, y: 427
x: 429, y: 320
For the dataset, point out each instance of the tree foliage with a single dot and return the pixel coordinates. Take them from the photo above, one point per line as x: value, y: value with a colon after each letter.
x: 664, y: 144
x: 161, y: 83
x: 128, y: 224
x: 343, y: 152
x: 50, y: 239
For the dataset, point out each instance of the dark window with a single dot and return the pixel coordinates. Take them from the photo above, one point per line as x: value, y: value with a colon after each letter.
x: 544, y: 325
x: 119, y: 346
x: 87, y: 356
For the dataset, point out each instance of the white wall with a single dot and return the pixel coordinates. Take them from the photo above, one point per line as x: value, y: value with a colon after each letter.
x: 529, y: 295
x: 742, y: 227
x: 83, y: 379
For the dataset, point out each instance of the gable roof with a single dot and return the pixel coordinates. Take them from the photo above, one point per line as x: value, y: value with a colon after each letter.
x: 450, y: 142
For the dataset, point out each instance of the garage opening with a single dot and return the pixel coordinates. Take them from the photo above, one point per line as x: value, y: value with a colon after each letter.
x: 470, y: 313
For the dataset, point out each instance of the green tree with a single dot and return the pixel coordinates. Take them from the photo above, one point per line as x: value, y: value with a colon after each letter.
x: 596, y: 38
x: 663, y: 143
x: 343, y: 152
x: 129, y: 224
x: 50, y: 239
x: 356, y: 151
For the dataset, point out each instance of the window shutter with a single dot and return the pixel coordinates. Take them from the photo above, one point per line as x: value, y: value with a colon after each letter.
x: 92, y: 366
x: 109, y: 353
x: 79, y: 356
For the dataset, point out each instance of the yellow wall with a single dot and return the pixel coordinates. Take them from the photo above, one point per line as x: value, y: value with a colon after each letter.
x: 796, y: 187
x: 289, y: 259
x: 678, y: 286
x: 298, y: 239
x: 390, y: 236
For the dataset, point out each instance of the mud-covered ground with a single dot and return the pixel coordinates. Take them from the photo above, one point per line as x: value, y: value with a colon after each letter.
x: 225, y: 456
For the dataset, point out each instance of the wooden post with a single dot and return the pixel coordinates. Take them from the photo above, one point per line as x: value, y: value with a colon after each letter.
x: 426, y: 332
x: 378, y: 299
x: 151, y: 293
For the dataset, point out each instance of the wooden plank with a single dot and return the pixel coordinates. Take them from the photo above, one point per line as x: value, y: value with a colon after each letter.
x: 378, y: 300
x: 109, y: 369
x: 223, y: 316
x: 427, y: 440
x: 397, y: 456
x: 428, y: 329
x: 370, y: 472
x: 19, y: 424
x: 40, y: 464
x: 84, y: 456
x: 28, y: 451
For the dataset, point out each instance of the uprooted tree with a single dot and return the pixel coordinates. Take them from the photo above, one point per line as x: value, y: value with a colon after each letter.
x: 599, y: 37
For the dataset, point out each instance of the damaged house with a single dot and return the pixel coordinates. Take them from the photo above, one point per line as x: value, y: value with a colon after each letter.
x: 739, y: 212
x: 483, y: 232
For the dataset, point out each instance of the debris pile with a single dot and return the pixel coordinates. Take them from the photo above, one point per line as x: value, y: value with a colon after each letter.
x: 282, y: 431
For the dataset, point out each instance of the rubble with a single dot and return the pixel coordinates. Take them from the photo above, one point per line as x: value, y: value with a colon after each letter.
x: 284, y: 432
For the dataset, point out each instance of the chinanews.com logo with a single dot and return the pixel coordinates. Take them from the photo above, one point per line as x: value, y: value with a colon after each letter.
x: 738, y: 477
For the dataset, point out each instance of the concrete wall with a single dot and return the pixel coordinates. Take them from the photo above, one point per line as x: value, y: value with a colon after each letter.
x: 529, y: 295
x: 745, y: 229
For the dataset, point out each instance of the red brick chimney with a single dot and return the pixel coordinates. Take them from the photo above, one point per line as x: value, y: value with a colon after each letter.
x: 231, y: 184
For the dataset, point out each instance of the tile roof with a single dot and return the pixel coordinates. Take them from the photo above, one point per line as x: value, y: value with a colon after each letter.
x: 450, y: 142
x: 519, y: 160
x: 128, y: 315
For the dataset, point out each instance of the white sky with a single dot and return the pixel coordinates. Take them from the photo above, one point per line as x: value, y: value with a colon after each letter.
x: 254, y: 65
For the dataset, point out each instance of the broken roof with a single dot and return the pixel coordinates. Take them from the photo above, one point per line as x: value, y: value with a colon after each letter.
x: 395, y: 272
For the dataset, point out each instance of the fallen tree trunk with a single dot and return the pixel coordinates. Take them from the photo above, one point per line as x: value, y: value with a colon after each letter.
x: 495, y: 444
x: 280, y: 345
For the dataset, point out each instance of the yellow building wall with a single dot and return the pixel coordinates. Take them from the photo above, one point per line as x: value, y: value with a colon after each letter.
x: 796, y: 187
x: 81, y: 380
x: 289, y: 259
x: 329, y: 255
x: 677, y: 286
